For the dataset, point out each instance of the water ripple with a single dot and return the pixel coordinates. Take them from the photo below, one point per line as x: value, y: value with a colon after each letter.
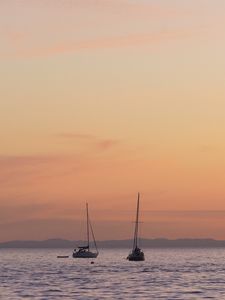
x: 166, y: 274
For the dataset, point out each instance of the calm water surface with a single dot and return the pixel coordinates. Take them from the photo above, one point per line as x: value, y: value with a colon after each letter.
x: 166, y: 274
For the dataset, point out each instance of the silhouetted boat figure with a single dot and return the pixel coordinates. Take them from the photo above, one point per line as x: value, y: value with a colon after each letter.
x: 136, y: 254
x: 84, y: 251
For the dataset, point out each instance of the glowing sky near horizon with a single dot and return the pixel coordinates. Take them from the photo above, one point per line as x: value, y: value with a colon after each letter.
x: 100, y: 99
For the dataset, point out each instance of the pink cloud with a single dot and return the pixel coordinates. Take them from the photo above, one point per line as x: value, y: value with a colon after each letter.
x: 94, y: 141
x: 46, y: 28
x: 20, y: 170
x: 107, y: 144
x: 108, y: 43
x: 31, y: 169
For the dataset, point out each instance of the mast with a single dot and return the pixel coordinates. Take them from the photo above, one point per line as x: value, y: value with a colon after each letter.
x: 136, y: 225
x: 88, y: 239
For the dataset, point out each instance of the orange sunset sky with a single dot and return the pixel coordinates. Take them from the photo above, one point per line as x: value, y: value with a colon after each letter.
x: 100, y: 99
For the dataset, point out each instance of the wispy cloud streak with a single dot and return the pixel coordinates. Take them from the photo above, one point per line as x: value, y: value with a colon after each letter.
x: 87, y: 25
x: 94, y: 141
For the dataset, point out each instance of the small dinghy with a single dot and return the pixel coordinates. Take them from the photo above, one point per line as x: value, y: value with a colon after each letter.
x: 63, y: 256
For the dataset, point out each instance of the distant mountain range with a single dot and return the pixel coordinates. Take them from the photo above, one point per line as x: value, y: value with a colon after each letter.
x: 145, y: 243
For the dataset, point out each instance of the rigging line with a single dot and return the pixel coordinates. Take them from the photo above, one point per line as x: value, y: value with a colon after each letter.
x: 88, y: 239
x: 140, y: 235
x: 92, y: 232
x: 136, y: 225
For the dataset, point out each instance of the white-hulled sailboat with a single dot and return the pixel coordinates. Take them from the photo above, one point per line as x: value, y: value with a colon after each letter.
x: 136, y: 254
x: 84, y: 251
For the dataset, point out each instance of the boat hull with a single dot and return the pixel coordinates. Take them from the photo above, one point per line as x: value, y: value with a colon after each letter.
x: 136, y: 256
x: 86, y: 254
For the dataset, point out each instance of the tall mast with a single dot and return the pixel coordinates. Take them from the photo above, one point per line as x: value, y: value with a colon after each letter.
x: 88, y: 239
x: 136, y: 225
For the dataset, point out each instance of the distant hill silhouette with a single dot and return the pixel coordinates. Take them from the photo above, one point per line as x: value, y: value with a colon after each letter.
x: 145, y: 243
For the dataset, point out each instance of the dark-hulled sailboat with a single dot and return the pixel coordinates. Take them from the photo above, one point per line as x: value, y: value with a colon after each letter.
x: 136, y: 254
x: 84, y: 251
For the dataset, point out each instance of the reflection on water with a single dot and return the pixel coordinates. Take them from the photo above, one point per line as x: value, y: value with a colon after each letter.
x: 165, y: 274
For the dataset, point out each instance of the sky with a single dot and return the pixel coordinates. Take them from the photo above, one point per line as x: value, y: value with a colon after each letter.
x: 102, y: 99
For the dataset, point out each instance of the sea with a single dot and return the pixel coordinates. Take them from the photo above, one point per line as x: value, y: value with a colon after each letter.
x: 165, y: 274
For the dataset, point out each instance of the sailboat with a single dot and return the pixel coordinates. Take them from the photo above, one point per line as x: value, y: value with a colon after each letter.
x: 136, y: 253
x: 84, y: 251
